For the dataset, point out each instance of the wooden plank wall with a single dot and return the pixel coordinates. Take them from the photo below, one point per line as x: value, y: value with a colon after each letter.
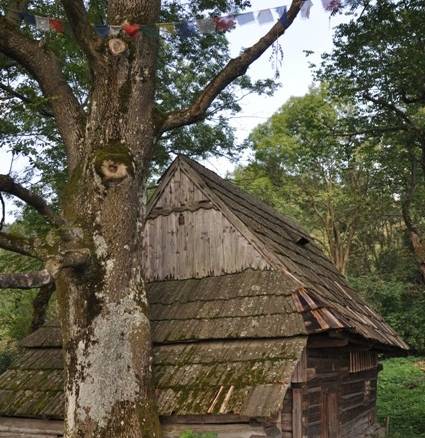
x: 334, y: 388
x: 326, y: 400
x: 187, y: 237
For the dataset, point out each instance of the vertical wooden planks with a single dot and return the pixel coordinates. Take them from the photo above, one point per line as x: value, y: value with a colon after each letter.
x: 196, y: 244
x: 297, y: 412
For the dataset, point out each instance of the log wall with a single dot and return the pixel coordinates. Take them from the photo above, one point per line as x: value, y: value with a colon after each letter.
x: 332, y: 402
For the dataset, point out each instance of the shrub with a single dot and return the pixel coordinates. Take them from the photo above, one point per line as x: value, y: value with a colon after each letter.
x: 401, y: 304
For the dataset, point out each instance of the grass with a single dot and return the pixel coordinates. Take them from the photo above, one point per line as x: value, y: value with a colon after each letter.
x: 401, y: 396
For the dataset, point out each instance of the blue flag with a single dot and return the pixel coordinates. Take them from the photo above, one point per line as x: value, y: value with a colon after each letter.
x: 186, y: 29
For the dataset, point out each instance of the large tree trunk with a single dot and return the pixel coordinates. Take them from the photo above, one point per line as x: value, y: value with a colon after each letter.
x: 104, y: 309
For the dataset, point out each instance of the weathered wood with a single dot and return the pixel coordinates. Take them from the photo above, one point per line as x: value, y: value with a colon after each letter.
x: 339, y: 403
x: 300, y: 372
x: 196, y: 244
x: 362, y: 360
x: 297, y: 412
x: 28, y: 428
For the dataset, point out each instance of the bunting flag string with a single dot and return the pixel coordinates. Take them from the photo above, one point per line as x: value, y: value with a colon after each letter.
x: 184, y: 29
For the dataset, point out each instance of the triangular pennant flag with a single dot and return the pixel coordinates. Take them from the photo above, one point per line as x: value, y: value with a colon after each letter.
x: 42, y: 23
x: 265, y: 16
x: 245, y: 18
x: 223, y: 24
x: 56, y: 25
x: 102, y: 30
x: 186, y: 29
x: 206, y: 25
x: 305, y: 8
x: 28, y: 18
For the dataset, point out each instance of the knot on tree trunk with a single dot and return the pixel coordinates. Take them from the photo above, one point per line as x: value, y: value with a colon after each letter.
x: 114, y: 164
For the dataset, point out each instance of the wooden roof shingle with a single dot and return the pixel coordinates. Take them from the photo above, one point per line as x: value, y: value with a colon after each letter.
x: 292, y: 251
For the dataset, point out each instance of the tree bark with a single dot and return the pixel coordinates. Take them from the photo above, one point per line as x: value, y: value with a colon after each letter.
x: 40, y: 305
x: 416, y: 240
x: 104, y: 309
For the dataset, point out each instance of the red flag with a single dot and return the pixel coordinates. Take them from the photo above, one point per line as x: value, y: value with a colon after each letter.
x: 131, y: 29
x: 56, y: 25
x: 223, y: 24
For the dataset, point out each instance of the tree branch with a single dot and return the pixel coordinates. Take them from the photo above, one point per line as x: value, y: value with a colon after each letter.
x: 45, y: 111
x: 40, y: 305
x: 392, y: 107
x: 43, y: 65
x: 30, y: 280
x: 8, y: 185
x: 83, y: 32
x: 27, y: 280
x: 235, y: 67
x: 17, y: 244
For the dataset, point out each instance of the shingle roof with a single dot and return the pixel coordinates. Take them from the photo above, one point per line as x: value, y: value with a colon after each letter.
x: 228, y: 372
x: 194, y: 378
x: 323, y: 295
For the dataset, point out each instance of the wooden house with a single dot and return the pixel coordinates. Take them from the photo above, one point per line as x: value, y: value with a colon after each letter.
x: 255, y: 332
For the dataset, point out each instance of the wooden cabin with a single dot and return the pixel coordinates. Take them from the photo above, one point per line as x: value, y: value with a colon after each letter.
x: 255, y: 332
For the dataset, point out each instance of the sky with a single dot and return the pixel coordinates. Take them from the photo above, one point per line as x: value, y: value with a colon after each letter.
x: 313, y: 34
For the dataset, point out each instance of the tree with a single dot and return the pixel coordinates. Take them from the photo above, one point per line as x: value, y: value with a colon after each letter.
x: 110, y: 134
x: 307, y: 169
x: 378, y: 61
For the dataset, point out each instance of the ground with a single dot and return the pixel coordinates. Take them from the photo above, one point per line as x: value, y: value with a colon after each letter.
x: 401, y: 397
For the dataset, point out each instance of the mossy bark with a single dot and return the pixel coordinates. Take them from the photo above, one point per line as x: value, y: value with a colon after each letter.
x: 103, y: 308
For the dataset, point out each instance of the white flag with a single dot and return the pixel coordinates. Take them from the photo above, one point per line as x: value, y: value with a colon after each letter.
x: 305, y: 8
x: 42, y: 23
x: 265, y: 16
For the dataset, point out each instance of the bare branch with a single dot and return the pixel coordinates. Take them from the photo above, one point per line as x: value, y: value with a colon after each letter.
x: 3, y: 211
x: 83, y: 32
x: 69, y: 259
x: 30, y: 280
x: 17, y: 244
x: 44, y: 66
x: 25, y: 280
x: 235, y: 67
x: 45, y: 111
x: 8, y: 185
x: 40, y: 305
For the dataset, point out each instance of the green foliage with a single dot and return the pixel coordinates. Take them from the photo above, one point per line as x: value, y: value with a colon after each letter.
x: 306, y: 169
x: 378, y: 63
x: 393, y: 300
x: 15, y: 305
x: 190, y: 434
x: 401, y: 396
